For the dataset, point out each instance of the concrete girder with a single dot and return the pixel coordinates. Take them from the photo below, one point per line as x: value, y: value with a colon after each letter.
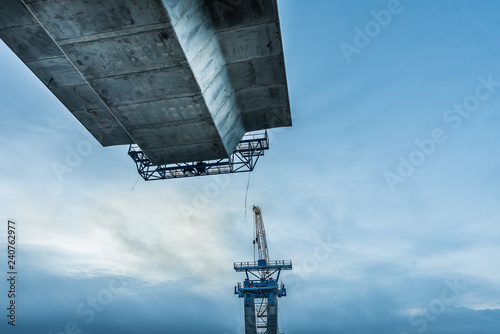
x: 184, y: 79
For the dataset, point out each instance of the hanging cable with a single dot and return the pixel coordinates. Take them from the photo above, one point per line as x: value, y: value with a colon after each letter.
x: 246, y: 197
x: 246, y: 193
x: 135, y: 183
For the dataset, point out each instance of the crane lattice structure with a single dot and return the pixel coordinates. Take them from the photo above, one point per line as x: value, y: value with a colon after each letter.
x: 261, y: 290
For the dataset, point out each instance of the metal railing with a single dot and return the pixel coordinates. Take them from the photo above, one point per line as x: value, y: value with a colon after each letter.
x: 244, y: 158
x: 254, y: 265
x: 268, y: 284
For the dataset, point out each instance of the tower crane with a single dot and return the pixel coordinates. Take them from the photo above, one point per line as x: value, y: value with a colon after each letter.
x: 261, y: 290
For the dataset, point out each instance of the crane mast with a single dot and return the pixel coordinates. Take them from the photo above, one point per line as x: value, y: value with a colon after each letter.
x: 262, y: 290
x: 260, y: 234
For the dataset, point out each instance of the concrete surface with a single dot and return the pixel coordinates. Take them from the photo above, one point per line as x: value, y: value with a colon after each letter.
x: 183, y: 79
x: 272, y: 314
x: 250, y: 318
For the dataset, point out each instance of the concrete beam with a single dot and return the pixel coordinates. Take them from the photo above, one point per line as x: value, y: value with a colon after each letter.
x: 250, y: 318
x: 184, y: 79
x: 272, y: 314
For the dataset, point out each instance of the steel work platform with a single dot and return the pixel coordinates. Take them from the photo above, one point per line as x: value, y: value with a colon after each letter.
x: 243, y: 159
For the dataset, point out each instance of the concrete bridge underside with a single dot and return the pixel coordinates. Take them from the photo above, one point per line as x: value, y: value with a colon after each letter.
x: 183, y: 79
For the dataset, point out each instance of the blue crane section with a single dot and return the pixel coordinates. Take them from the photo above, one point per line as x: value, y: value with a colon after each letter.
x: 261, y: 290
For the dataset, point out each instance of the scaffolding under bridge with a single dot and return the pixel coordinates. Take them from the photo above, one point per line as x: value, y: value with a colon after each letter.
x: 243, y: 159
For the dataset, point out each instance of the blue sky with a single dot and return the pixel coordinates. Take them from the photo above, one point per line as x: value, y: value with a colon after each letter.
x: 384, y: 193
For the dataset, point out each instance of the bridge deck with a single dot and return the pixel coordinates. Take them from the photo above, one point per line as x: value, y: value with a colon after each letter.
x: 182, y: 79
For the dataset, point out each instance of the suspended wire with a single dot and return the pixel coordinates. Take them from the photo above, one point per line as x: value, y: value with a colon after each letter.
x: 135, y: 183
x: 254, y: 231
x: 246, y: 193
